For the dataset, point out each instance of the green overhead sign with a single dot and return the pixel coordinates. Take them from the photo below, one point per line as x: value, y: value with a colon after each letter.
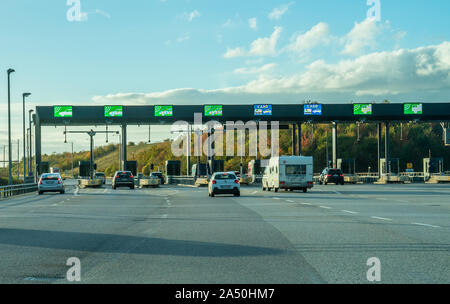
x: 163, y: 111
x: 63, y: 111
x: 362, y: 109
x: 213, y: 110
x: 413, y: 109
x: 113, y: 111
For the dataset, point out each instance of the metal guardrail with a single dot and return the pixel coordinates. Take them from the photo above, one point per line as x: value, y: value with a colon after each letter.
x: 8, y: 191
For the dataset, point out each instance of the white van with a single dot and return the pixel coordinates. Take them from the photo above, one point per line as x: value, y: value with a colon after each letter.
x: 289, y: 173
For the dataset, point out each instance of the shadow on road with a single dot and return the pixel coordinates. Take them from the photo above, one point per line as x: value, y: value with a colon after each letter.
x: 94, y: 242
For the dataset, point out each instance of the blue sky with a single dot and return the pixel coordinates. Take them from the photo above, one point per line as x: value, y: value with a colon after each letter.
x: 189, y: 51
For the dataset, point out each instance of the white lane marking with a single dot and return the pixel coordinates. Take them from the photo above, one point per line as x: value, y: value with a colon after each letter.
x: 426, y: 225
x: 276, y: 198
x: 351, y: 212
x: 402, y: 201
x: 382, y: 199
x: 254, y: 192
x: 289, y: 201
x: 104, y: 191
x: 337, y: 192
x: 381, y: 218
x: 325, y: 207
x: 165, y: 216
x: 76, y: 191
x: 306, y: 204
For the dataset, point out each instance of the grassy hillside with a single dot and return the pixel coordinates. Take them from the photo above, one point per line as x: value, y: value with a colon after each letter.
x: 416, y: 142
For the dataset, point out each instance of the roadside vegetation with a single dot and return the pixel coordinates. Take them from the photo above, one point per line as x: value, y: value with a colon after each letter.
x: 411, y: 144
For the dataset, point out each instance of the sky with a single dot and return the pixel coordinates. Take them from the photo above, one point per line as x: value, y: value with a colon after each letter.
x: 225, y: 52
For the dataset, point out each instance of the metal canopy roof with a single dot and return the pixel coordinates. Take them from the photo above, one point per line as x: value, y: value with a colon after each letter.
x: 285, y: 114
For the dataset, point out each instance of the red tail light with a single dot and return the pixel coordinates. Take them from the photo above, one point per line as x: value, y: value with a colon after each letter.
x: 59, y: 180
x: 342, y: 175
x: 117, y: 176
x: 236, y: 181
x: 329, y: 175
x: 282, y: 183
x: 131, y: 176
x: 40, y: 182
x: 214, y: 182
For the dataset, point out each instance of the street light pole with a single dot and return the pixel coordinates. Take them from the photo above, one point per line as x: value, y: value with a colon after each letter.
x: 24, y: 95
x: 10, y: 71
x: 30, y: 161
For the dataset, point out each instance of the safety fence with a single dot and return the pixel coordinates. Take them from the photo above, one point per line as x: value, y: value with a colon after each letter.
x: 8, y: 191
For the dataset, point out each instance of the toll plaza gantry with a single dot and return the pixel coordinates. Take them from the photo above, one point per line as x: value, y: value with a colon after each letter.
x: 286, y: 114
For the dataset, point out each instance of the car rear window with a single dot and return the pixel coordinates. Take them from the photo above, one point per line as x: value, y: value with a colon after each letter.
x: 50, y: 177
x: 99, y: 174
x: 124, y: 174
x: 335, y: 172
x: 157, y: 174
x: 224, y: 176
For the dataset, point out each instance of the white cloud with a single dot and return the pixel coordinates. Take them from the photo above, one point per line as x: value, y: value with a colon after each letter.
x: 256, y: 70
x: 266, y: 46
x: 316, y: 36
x: 260, y: 47
x: 236, y: 52
x: 363, y: 35
x: 278, y: 12
x: 191, y: 16
x: 183, y: 38
x: 253, y: 23
x: 417, y: 73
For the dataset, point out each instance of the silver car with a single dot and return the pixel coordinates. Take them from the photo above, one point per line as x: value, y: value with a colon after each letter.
x: 51, y: 182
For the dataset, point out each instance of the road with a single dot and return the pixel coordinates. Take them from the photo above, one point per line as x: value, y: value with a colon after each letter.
x: 180, y: 235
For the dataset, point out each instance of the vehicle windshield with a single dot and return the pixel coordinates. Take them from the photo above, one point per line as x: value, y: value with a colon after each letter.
x: 99, y: 174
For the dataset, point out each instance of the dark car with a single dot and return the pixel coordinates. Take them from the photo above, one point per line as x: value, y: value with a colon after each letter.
x: 160, y: 176
x: 123, y: 179
x: 334, y: 176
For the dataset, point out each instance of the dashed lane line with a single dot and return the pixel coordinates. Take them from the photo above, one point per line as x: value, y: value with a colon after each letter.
x: 426, y: 225
x: 381, y: 218
x: 348, y: 211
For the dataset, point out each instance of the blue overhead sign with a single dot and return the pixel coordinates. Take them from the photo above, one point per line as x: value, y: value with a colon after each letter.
x: 312, y: 109
x: 263, y: 110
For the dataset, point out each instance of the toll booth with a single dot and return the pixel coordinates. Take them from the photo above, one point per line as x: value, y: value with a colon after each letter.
x: 394, y: 172
x: 393, y: 165
x: 348, y: 167
x: 217, y: 166
x: 173, y: 168
x: 434, y: 172
x: 433, y: 165
x: 131, y: 166
x: 447, y: 136
x: 255, y: 170
x: 44, y: 168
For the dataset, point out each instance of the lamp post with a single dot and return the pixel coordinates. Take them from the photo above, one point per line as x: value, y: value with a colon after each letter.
x: 30, y: 161
x: 10, y: 71
x: 24, y: 95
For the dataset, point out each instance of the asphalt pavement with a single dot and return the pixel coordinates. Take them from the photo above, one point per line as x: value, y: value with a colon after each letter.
x: 180, y: 235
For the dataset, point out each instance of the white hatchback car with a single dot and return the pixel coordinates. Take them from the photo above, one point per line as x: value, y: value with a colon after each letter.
x: 224, y: 183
